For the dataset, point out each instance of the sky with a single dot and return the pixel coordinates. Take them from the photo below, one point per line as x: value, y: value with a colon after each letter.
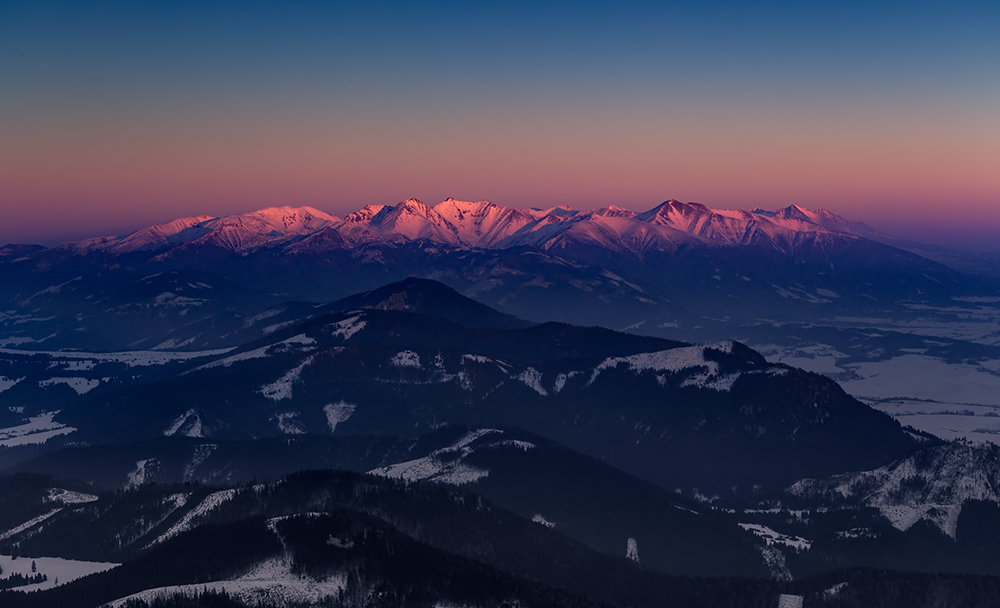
x: 117, y: 115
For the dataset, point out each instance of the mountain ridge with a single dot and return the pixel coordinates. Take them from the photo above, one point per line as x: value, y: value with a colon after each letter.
x: 486, y: 225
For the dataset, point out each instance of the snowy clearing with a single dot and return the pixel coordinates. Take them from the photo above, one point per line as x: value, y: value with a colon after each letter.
x: 6, y: 383
x: 676, y: 360
x: 270, y: 582
x: 55, y: 568
x: 68, y: 497
x: 441, y: 465
x: 38, y: 429
x: 138, y: 358
x: 301, y: 340
x: 348, y: 327
x: 776, y: 538
x: 80, y: 385
x: 406, y: 358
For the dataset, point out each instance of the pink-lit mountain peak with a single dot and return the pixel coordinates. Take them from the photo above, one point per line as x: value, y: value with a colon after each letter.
x: 155, y: 235
x: 364, y: 214
x: 272, y: 221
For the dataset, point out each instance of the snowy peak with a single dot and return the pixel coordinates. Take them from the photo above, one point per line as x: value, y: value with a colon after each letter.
x: 250, y: 231
x: 613, y: 211
x: 287, y: 220
x: 152, y: 237
x: 364, y: 215
x: 413, y: 220
x: 161, y: 233
x: 487, y: 225
x: 240, y: 233
x: 481, y: 224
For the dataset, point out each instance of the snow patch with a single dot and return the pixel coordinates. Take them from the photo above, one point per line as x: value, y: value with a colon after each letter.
x: 31, y: 523
x: 676, y: 360
x: 267, y: 314
x: 337, y: 413
x: 532, y: 378
x: 270, y: 583
x: 538, y: 519
x: 776, y: 538
x: 80, y: 385
x: 187, y: 424
x: 139, y: 358
x: 80, y: 366
x: 406, y: 358
x: 6, y: 383
x: 300, y: 340
x: 68, y: 497
x: 477, y: 358
x: 55, y: 568
x: 443, y: 466
x: 786, y: 600
x: 38, y: 429
x: 835, y: 590
x: 347, y: 327
x: 282, y: 387
x: 513, y: 443
x: 288, y: 423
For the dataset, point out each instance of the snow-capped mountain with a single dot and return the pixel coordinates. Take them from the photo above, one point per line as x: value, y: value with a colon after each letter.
x: 239, y: 233
x: 484, y: 224
x: 679, y: 267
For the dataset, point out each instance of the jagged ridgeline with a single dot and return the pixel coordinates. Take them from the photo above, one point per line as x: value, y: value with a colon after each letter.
x: 196, y: 282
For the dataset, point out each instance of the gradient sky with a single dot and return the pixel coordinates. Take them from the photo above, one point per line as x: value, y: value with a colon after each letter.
x: 116, y: 115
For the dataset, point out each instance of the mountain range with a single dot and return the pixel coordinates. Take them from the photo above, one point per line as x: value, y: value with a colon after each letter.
x: 550, y: 403
x: 679, y: 270
x: 486, y: 225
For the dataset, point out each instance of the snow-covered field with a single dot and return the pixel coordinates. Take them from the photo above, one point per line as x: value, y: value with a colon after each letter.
x: 675, y: 360
x: 443, y: 466
x: 271, y: 582
x: 772, y: 537
x: 38, y: 429
x: 130, y: 358
x: 950, y: 400
x: 301, y: 340
x: 60, y: 571
x: 923, y: 377
x: 969, y: 321
x: 80, y: 385
x: 6, y: 383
